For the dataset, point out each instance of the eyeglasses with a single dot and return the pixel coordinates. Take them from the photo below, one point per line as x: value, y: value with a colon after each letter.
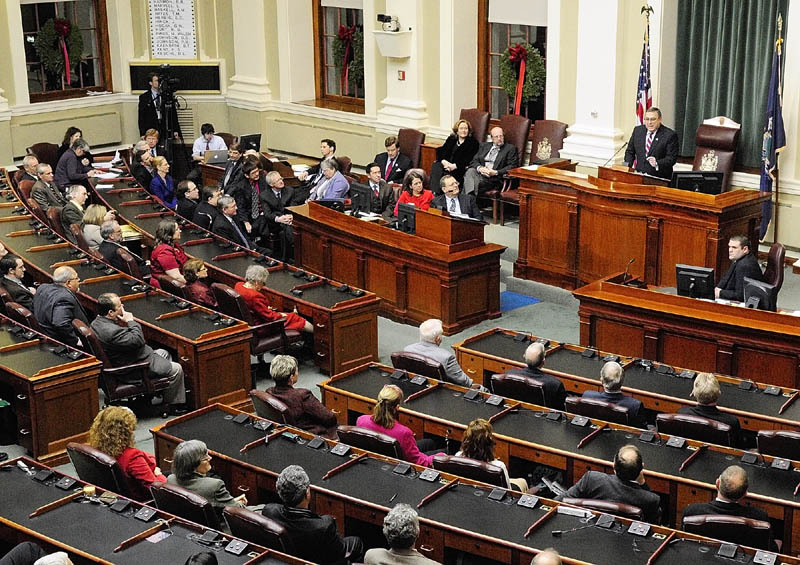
x: 206, y: 458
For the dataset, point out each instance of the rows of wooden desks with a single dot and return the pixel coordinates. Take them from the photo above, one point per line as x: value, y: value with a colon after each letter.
x: 660, y: 387
x: 525, y: 434
x: 345, y: 319
x: 51, y: 388
x: 49, y: 508
x: 359, y: 488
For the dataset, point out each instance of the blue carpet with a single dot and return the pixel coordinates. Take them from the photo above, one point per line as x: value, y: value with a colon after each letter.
x: 511, y: 300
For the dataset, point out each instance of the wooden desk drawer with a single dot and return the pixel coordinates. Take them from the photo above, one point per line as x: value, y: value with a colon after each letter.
x: 537, y: 455
x: 323, y: 504
x: 472, y: 365
x: 443, y: 430
x: 322, y: 325
x: 431, y: 543
x: 478, y: 547
x: 416, y: 424
x: 365, y: 514
x: 336, y: 403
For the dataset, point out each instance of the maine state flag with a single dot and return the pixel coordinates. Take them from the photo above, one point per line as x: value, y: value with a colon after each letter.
x: 774, y: 138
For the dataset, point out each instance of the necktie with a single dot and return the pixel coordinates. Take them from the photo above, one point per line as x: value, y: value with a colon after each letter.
x: 648, y: 143
x: 452, y: 204
x: 208, y: 145
x: 278, y: 194
x: 389, y: 168
x: 153, y: 152
x: 242, y: 238
x: 375, y: 189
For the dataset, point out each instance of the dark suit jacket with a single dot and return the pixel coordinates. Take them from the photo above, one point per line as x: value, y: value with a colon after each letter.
x: 274, y: 207
x: 71, y: 214
x: 27, y: 176
x: 314, y: 537
x: 664, y: 148
x: 142, y: 175
x: 19, y: 292
x: 242, y: 193
x: 554, y: 391
x: 148, y: 118
x: 70, y: 170
x: 233, y: 172
x: 223, y: 228
x: 465, y: 201
x: 205, y: 214
x: 731, y: 285
x: 307, y: 412
x: 601, y: 486
x: 125, y: 345
x: 186, y: 208
x: 55, y: 306
x: 47, y: 195
x: 718, y: 507
x: 507, y: 158
x: 108, y: 249
x: 402, y: 164
x: 383, y: 203
x: 633, y: 405
x: 460, y: 155
x: 713, y: 413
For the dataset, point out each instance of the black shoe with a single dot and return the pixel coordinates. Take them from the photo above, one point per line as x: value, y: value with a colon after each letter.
x: 177, y: 409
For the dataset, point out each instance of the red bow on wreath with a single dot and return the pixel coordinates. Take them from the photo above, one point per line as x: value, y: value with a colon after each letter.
x: 346, y: 36
x: 63, y: 28
x: 518, y: 54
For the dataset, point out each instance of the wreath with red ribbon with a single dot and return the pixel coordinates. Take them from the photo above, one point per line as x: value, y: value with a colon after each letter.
x: 348, y: 56
x: 59, y: 45
x: 522, y: 73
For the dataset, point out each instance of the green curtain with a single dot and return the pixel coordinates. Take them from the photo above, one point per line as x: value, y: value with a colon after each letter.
x: 723, y: 67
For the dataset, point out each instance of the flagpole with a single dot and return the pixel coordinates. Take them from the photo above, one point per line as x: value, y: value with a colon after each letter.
x: 778, y: 46
x: 775, y: 207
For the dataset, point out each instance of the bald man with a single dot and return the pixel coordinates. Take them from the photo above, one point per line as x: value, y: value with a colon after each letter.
x: 612, y: 376
x: 547, y: 557
x: 554, y: 391
x: 56, y: 305
x: 626, y: 485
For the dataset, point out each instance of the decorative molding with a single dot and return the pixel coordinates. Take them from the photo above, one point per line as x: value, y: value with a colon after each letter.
x: 68, y: 104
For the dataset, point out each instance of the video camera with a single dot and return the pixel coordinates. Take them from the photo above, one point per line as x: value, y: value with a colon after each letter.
x: 168, y: 83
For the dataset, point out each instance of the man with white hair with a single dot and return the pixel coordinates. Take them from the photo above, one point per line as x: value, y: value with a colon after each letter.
x: 45, y: 191
x: 430, y: 340
x: 401, y: 529
x: 29, y: 164
x: 612, y: 376
x: 72, y: 213
x: 554, y: 391
x: 56, y: 305
x: 547, y: 557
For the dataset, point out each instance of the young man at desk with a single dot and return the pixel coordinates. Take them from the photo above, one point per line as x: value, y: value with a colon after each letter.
x: 731, y: 286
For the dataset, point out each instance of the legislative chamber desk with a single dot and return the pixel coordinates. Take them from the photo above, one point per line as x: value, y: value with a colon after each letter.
x: 443, y: 271
x: 458, y: 518
x: 575, y: 229
x: 214, y: 354
x: 91, y: 532
x: 51, y: 388
x: 345, y: 323
x: 701, y: 334
x: 660, y: 387
x: 525, y: 433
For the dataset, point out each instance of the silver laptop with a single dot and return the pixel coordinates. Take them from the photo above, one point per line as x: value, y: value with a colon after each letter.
x: 215, y: 157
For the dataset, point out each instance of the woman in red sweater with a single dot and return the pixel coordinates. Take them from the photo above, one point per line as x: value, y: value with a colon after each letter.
x: 414, y: 192
x: 112, y: 432
x: 255, y: 278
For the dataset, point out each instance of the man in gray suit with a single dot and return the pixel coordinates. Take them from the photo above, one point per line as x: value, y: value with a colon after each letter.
x: 430, y: 339
x: 490, y: 164
x: 45, y: 191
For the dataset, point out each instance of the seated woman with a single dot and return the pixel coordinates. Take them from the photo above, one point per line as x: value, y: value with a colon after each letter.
x: 307, y: 412
x: 454, y: 156
x: 112, y: 432
x: 478, y: 443
x: 190, y: 465
x: 414, y: 192
x: 162, y: 186
x: 255, y: 278
x: 93, y: 218
x: 384, y: 420
x: 71, y: 135
x: 196, y: 290
x: 167, y: 256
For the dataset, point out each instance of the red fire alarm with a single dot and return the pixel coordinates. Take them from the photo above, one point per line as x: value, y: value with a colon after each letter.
x: 401, y: 75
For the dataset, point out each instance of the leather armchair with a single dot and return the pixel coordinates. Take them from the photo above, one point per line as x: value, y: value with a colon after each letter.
x: 345, y: 164
x: 519, y: 387
x: 226, y: 137
x: 80, y: 241
x: 45, y: 152
x: 779, y: 443
x: 167, y: 283
x: 515, y: 131
x: 95, y: 467
x: 258, y: 529
x: 184, y: 503
x: 695, y: 427
x: 479, y: 120
x: 606, y: 506
x: 716, y: 150
x: 54, y: 219
x: 269, y: 407
x: 24, y: 188
x: 22, y: 315
x: 733, y: 529
x: 599, y: 409
x: 369, y: 440
x: 471, y: 469
x: 409, y: 142
x: 419, y: 364
x: 773, y: 274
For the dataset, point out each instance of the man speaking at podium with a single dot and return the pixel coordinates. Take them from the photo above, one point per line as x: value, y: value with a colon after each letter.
x: 653, y: 147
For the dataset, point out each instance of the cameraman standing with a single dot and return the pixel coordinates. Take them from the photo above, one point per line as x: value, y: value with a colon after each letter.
x: 153, y: 107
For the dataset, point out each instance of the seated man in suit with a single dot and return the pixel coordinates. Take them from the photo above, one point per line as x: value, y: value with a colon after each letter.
x: 554, y: 391
x: 111, y: 244
x: 612, y: 376
x: 547, y: 557
x: 731, y: 489
x: 331, y: 184
x: 490, y: 164
x: 154, y: 147
x: 625, y: 486
x: 29, y: 164
x: 393, y: 164
x: 401, y: 529
x: 12, y: 269
x: 454, y: 202
x: 233, y: 168
x: 188, y: 195
x: 141, y: 165
x: 72, y: 212
x: 745, y: 264
x: 207, y: 211
x: 383, y: 199
x: 327, y: 147
x: 73, y: 168
x: 44, y: 190
x: 314, y: 537
x: 429, y: 345
x: 653, y: 147
x: 247, y: 192
x: 123, y: 342
x: 706, y: 391
x: 229, y: 226
x: 55, y: 306
x: 275, y: 202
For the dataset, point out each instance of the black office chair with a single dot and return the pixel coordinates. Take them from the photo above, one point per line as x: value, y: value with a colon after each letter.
x: 471, y: 469
x: 418, y: 364
x: 733, y: 529
x: 369, y: 440
x: 519, y: 387
x: 599, y: 409
x: 695, y: 427
x: 95, y: 467
x: 267, y: 406
x: 184, y: 503
x: 258, y: 529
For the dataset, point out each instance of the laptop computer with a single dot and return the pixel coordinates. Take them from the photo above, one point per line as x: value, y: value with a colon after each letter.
x: 215, y: 157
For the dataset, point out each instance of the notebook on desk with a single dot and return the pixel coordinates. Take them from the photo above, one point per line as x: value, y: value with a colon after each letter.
x: 215, y: 157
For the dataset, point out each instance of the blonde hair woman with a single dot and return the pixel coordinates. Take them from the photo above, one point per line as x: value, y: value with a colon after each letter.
x: 93, y: 218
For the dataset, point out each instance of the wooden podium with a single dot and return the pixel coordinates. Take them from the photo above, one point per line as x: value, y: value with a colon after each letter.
x: 444, y: 271
x: 576, y: 228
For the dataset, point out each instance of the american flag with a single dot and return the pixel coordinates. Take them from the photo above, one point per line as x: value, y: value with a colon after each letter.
x: 644, y: 97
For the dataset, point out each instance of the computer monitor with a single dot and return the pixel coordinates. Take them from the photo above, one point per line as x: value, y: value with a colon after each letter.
x: 252, y: 141
x: 407, y: 217
x: 360, y: 199
x: 695, y: 282
x: 760, y: 295
x: 707, y: 182
x: 332, y: 203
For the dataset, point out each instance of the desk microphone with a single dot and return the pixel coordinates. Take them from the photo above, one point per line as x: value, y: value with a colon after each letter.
x: 628, y: 266
x: 615, y: 154
x: 559, y: 533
